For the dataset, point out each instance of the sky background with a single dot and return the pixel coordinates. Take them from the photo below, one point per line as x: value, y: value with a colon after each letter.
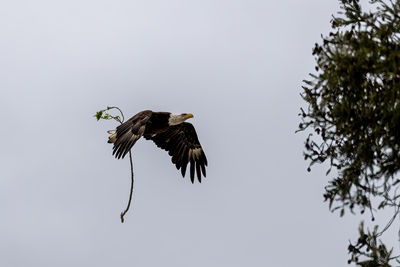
x: 237, y: 65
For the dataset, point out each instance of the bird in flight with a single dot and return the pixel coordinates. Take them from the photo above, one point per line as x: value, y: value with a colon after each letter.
x: 169, y: 132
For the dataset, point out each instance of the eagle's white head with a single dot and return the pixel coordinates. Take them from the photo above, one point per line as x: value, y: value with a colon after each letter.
x: 175, y: 119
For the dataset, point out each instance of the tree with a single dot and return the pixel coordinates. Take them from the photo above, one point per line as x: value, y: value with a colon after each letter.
x: 353, y: 118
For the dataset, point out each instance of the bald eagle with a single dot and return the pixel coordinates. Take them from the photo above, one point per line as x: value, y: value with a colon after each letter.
x: 169, y: 132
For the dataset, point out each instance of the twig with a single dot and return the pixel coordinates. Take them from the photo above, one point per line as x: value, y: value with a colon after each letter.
x: 107, y: 116
x: 130, y: 160
x: 131, y: 193
x: 122, y: 114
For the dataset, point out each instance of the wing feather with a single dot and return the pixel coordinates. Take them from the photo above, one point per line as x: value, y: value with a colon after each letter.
x: 183, y: 170
x: 192, y: 170
x: 183, y: 146
x: 129, y: 132
x: 198, y: 170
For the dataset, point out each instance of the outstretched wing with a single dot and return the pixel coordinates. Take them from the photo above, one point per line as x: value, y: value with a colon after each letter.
x: 129, y: 132
x: 182, y: 144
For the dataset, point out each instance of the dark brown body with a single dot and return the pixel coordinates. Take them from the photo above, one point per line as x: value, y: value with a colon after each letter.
x: 157, y: 123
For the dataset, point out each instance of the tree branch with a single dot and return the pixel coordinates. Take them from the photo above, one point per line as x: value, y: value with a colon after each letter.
x: 103, y: 114
x: 122, y: 114
x: 131, y: 193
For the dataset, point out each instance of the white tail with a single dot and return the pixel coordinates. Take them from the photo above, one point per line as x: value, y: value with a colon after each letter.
x: 113, y: 136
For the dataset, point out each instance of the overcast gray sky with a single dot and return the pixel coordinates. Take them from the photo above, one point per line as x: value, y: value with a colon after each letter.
x: 237, y: 65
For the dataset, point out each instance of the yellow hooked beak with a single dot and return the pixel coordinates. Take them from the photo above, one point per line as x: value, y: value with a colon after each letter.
x: 188, y: 116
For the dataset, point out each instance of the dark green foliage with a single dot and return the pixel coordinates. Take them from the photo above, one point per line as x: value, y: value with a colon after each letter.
x: 103, y: 114
x: 354, y: 113
x: 371, y: 248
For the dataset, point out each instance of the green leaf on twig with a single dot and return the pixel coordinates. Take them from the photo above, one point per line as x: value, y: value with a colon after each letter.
x: 98, y: 114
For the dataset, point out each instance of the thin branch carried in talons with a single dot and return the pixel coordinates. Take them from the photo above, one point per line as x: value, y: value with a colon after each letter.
x: 131, y: 193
